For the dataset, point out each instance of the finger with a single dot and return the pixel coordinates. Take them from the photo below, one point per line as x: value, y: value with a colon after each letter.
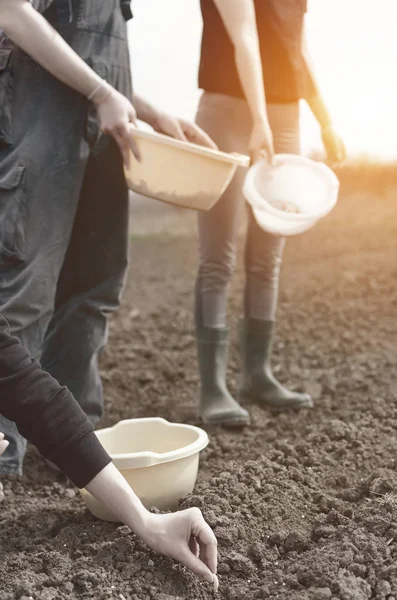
x: 179, y: 134
x: 3, y: 446
x: 207, y: 540
x: 195, y: 564
x: 271, y: 155
x: 134, y: 148
x: 124, y: 132
x: 132, y: 116
x: 129, y: 142
x: 258, y: 155
x: 196, y: 135
x: 126, y: 142
x: 194, y: 546
x: 121, y: 144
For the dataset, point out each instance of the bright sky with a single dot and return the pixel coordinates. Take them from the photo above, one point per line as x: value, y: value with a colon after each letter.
x: 353, y: 44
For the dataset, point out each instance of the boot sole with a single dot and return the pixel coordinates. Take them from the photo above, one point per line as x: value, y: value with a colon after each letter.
x: 277, y: 409
x: 238, y: 422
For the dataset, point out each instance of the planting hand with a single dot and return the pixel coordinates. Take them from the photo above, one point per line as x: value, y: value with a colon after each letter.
x: 185, y: 537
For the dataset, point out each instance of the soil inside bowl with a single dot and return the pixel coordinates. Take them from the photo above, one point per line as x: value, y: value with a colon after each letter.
x: 287, y: 207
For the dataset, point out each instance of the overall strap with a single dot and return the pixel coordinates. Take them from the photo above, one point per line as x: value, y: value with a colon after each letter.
x: 64, y: 10
x: 126, y: 9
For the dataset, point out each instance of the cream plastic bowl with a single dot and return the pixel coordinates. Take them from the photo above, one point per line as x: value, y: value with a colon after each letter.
x: 180, y: 173
x: 291, y: 196
x: 158, y: 459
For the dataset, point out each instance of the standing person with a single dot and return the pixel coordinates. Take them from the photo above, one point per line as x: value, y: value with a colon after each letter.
x: 48, y: 415
x: 248, y: 48
x: 63, y: 195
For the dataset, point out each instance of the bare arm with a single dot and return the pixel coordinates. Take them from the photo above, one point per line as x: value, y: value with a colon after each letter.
x: 315, y: 101
x: 32, y: 32
x: 48, y: 48
x: 184, y: 535
x: 240, y: 22
x: 332, y: 141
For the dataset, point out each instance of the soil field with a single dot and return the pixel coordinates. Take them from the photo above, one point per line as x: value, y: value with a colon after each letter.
x: 304, y: 505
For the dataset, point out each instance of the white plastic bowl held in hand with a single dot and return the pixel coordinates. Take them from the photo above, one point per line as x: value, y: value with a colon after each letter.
x: 180, y: 173
x: 158, y: 459
x: 291, y: 196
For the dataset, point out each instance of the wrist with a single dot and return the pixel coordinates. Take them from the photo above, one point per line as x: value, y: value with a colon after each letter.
x: 101, y: 92
x: 145, y: 111
x: 153, y: 118
x: 262, y: 120
x: 110, y: 488
x: 138, y: 519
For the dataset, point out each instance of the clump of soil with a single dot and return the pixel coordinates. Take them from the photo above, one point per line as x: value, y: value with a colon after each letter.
x: 304, y: 504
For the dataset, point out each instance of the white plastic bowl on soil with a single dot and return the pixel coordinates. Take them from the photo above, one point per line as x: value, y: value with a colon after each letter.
x: 158, y: 459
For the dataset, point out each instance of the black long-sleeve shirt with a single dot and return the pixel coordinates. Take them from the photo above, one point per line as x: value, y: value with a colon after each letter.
x: 46, y: 413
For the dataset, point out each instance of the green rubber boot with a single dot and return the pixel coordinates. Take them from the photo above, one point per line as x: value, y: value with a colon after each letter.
x: 258, y: 381
x: 217, y: 405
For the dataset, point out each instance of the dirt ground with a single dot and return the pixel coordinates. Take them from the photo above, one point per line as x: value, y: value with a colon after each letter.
x: 304, y: 505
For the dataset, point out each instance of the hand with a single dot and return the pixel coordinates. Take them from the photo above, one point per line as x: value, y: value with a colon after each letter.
x: 182, y: 130
x: 334, y: 145
x: 261, y: 142
x: 116, y: 114
x: 3, y: 444
x: 185, y: 537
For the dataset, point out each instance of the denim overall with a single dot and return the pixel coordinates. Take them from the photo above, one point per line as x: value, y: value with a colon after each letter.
x: 63, y: 207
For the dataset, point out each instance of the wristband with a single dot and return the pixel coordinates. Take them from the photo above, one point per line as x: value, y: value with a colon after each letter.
x: 101, y: 84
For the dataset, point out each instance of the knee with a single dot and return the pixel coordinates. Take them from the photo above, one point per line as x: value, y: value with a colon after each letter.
x: 216, y: 274
x: 266, y: 266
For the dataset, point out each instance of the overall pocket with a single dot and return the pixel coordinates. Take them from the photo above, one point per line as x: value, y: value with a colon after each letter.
x: 12, y: 214
x: 103, y: 17
x: 5, y: 96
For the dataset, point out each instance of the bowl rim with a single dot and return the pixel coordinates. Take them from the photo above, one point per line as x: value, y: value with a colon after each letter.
x: 296, y: 229
x: 149, y: 458
x: 260, y: 203
x: 234, y: 158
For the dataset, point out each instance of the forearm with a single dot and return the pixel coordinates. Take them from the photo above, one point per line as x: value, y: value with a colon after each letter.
x: 31, y: 32
x: 240, y: 21
x: 145, y: 111
x: 249, y: 70
x: 315, y: 98
x: 110, y: 488
x: 319, y: 109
